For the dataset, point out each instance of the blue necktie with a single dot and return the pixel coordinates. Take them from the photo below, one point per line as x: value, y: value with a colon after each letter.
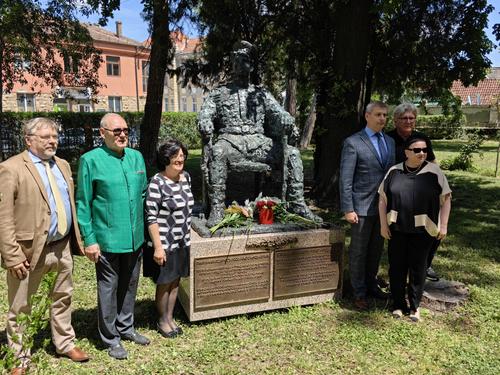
x: 381, y: 148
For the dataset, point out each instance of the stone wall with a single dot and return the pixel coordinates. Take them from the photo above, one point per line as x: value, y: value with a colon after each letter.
x: 9, y: 102
x: 43, y: 102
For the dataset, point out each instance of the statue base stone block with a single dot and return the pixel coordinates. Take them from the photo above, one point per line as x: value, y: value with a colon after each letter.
x: 259, y: 272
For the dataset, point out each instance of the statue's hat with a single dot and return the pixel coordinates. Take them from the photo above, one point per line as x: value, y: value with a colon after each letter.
x: 243, y: 48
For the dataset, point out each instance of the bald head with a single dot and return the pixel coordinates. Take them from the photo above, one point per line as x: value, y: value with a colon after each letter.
x: 114, y: 131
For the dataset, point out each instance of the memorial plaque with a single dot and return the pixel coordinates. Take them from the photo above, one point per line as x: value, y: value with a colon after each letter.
x: 305, y: 271
x: 233, y: 279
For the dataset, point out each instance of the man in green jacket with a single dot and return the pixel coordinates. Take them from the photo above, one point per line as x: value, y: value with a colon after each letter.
x: 111, y: 186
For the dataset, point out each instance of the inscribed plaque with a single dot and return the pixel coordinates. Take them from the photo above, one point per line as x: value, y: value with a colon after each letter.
x: 305, y: 271
x: 233, y: 279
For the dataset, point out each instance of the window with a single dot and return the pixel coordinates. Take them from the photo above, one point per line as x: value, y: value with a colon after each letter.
x: 145, y: 76
x: 195, y: 104
x: 166, y: 104
x: 113, y: 65
x: 26, y: 102
x: 70, y: 63
x: 184, y: 104
x: 21, y: 63
x: 172, y: 104
x: 115, y: 103
x: 84, y: 108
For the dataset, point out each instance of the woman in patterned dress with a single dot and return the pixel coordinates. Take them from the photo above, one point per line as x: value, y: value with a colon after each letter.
x: 169, y: 202
x: 414, y: 207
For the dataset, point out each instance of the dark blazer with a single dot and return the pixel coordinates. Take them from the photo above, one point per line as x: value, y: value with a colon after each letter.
x: 25, y: 211
x: 361, y: 172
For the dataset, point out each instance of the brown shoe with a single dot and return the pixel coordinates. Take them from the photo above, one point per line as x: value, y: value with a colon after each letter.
x: 361, y: 304
x: 18, y: 371
x: 76, y: 355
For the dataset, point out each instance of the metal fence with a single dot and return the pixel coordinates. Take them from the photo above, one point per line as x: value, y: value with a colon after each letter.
x: 72, y: 142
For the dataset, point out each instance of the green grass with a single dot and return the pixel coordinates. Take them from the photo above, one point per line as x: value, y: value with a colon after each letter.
x: 329, y: 338
x: 484, y: 164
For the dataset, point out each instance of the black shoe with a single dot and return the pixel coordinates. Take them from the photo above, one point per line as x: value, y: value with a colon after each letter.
x: 179, y: 331
x: 117, y: 352
x: 432, y: 275
x: 136, y: 338
x: 379, y: 293
x: 169, y: 335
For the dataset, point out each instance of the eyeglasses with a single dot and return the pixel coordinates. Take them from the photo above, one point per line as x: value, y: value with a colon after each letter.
x: 45, y: 138
x: 118, y: 131
x: 418, y: 150
x: 407, y: 119
x: 179, y: 160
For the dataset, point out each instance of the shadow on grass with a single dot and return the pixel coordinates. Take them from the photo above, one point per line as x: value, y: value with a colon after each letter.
x: 475, y: 215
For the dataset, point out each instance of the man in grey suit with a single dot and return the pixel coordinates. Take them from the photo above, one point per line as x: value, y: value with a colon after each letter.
x: 366, y: 157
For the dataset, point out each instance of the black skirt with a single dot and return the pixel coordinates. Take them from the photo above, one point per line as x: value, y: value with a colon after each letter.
x: 176, y: 266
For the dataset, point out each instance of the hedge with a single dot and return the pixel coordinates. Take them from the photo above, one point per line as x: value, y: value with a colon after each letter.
x: 79, y: 129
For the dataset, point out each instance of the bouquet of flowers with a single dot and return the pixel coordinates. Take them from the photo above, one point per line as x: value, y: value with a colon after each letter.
x: 235, y: 216
x: 267, y: 209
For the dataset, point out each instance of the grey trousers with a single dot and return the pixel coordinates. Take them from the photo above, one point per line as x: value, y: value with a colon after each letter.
x: 117, y: 279
x: 364, y: 254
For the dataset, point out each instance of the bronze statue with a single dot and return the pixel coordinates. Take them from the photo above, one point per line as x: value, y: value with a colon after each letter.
x: 241, y: 124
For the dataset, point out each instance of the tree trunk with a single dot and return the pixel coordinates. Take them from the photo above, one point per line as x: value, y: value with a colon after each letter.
x: 1, y: 77
x: 307, y: 132
x: 291, y: 96
x: 339, y: 105
x: 162, y: 52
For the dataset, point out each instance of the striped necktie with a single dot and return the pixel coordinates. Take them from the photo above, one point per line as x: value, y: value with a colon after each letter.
x: 62, y: 225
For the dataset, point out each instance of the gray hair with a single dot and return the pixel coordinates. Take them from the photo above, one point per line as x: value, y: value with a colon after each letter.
x: 403, y: 108
x: 30, y: 127
x: 106, y: 117
x: 375, y: 104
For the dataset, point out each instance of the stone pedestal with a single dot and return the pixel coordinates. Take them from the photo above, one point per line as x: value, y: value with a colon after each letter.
x: 257, y: 272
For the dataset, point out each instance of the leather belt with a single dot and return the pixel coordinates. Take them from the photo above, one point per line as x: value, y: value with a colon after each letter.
x: 53, y: 243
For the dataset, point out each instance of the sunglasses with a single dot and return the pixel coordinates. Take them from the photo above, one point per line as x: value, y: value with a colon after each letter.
x: 117, y: 131
x: 418, y: 150
x: 407, y: 119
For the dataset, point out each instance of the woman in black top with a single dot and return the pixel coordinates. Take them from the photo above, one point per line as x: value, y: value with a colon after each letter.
x: 414, y: 207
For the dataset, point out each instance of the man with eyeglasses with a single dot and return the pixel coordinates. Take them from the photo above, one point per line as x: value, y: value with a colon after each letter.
x: 405, y: 119
x: 38, y: 232
x: 110, y: 195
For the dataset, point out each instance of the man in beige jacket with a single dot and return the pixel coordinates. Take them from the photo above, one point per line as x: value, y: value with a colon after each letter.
x: 38, y: 233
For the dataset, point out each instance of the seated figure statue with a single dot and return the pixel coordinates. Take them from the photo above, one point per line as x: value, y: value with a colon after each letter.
x: 241, y: 123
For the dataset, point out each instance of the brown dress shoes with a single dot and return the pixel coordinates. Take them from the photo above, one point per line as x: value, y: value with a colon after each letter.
x: 76, y: 355
x: 18, y: 371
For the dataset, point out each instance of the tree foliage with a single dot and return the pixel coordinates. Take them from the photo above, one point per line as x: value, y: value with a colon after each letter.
x: 36, y: 38
x: 347, y: 49
x: 163, y: 17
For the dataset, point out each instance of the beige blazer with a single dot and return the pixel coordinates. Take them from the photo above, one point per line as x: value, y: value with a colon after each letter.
x: 25, y: 211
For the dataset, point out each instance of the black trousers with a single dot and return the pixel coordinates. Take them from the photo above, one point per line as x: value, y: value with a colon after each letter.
x: 408, y: 253
x: 432, y: 252
x: 117, y: 280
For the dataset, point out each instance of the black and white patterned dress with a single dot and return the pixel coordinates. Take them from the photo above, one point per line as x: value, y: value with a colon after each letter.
x: 169, y: 204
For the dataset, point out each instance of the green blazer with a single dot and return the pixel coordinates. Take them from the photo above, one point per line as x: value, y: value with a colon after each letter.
x: 110, y: 199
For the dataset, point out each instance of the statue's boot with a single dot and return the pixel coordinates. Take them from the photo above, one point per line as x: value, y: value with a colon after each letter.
x: 216, y: 198
x: 301, y: 209
x: 297, y: 204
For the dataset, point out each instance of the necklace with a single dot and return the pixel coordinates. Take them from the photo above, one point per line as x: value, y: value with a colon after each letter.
x: 410, y: 170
